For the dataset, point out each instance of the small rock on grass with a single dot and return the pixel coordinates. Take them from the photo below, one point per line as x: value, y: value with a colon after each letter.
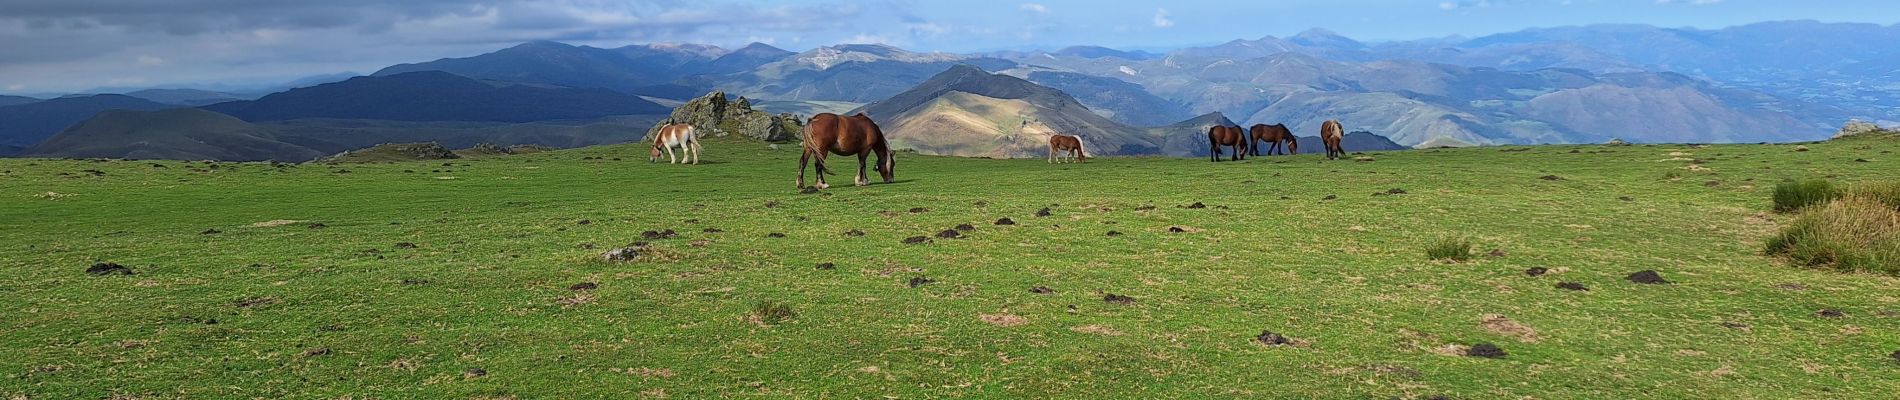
x: 621, y: 254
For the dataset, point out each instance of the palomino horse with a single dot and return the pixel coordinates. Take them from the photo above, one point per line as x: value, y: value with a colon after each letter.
x: 1066, y: 145
x: 1275, y: 135
x: 855, y: 135
x: 1218, y: 136
x: 682, y: 136
x: 1331, y: 133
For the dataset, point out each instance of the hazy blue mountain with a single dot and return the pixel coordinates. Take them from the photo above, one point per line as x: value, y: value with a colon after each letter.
x: 186, y: 97
x: 856, y: 73
x: 623, y: 69
x: 437, y: 96
x: 746, y: 59
x: 1119, y: 100
x: 26, y: 125
x: 16, y: 100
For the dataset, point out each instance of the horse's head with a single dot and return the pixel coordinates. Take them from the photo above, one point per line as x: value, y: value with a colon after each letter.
x: 887, y: 164
x: 1293, y: 145
x: 654, y: 155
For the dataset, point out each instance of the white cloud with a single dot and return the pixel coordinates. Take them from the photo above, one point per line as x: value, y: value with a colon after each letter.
x: 1035, y: 8
x: 1162, y: 20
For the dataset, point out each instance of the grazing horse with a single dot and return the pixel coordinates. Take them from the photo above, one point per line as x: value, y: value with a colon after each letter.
x: 1275, y: 135
x: 682, y: 136
x: 1218, y: 136
x: 1331, y: 133
x: 855, y: 135
x: 1066, y: 145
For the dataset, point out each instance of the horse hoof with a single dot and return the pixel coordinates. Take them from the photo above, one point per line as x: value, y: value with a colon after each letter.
x: 822, y: 186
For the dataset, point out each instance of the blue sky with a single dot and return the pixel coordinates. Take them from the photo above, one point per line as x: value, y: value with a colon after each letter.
x: 49, y: 46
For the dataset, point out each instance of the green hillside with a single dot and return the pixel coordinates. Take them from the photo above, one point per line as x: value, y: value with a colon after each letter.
x: 483, y: 278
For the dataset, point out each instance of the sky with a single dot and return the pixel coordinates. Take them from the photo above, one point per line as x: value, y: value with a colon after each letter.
x: 60, y: 46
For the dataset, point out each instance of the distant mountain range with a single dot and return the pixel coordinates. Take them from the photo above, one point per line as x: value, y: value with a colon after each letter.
x: 1780, y: 81
x: 437, y: 96
x: 198, y: 134
x: 25, y: 125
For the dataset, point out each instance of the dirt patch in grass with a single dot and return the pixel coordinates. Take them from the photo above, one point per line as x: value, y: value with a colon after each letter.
x: 583, y: 286
x: 657, y: 235
x: 1041, y: 290
x: 949, y: 234
x: 274, y: 223
x: 1272, y: 339
x: 1044, y: 212
x: 253, y: 302
x: 965, y: 227
x: 1830, y: 313
x: 826, y: 266
x: 1536, y: 271
x: 1501, y: 325
x: 106, y: 268
x: 1572, y: 286
x: 1112, y: 298
x: 1003, y: 319
x: 1005, y: 221
x: 1647, y: 277
x: 916, y: 240
x: 919, y: 281
x: 1093, y: 329
x: 1114, y: 233
x: 1485, y: 350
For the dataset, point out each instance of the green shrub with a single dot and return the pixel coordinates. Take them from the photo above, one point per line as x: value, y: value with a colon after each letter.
x: 1793, y: 195
x: 773, y: 312
x: 1453, y: 249
x: 1853, y: 233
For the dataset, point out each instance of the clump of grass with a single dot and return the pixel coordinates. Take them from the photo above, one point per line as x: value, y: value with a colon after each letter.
x: 772, y: 312
x: 1449, y: 249
x: 1794, y: 195
x: 1853, y: 233
x: 1887, y: 192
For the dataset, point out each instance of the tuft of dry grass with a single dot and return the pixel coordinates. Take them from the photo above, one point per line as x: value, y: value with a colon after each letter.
x: 1853, y: 233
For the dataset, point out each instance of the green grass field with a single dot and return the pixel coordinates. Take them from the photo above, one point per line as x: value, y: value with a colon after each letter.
x: 343, y: 312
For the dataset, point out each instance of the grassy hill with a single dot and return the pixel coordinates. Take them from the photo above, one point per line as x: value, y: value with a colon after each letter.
x: 482, y: 278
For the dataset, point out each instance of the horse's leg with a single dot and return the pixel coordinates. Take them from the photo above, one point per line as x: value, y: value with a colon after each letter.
x: 1213, y: 150
x: 804, y: 159
x: 669, y: 154
x: 1052, y: 154
x: 861, y: 181
x: 820, y: 162
x: 695, y: 152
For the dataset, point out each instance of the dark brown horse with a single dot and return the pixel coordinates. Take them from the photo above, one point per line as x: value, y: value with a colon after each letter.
x: 1331, y: 134
x: 1275, y: 135
x: 855, y: 135
x: 1066, y: 146
x: 1218, y: 136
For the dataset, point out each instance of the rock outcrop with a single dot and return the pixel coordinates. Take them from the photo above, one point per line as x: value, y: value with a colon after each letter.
x: 715, y: 116
x: 1859, y: 127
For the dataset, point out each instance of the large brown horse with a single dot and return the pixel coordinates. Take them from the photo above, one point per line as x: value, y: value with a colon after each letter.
x: 855, y: 135
x: 1061, y: 146
x: 1218, y: 136
x: 1275, y: 135
x: 1331, y: 134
